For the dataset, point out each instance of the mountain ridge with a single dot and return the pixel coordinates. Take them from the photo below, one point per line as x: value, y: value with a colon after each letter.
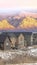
x: 28, y: 22
x: 5, y: 25
x: 25, y: 24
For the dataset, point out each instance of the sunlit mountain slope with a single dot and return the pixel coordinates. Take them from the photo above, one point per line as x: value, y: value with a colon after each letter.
x: 5, y: 25
x: 28, y: 23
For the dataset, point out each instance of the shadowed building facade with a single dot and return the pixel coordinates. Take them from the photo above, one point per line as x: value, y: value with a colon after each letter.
x: 17, y: 40
x: 21, y: 41
x: 7, y: 44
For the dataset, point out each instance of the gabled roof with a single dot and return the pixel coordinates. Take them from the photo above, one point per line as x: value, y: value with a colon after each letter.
x: 3, y: 37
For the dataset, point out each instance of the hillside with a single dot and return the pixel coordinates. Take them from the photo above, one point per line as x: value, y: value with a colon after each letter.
x: 28, y: 23
x: 5, y: 25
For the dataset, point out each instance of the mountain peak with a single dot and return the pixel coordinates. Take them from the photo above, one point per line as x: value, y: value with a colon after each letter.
x: 28, y: 22
x: 5, y: 25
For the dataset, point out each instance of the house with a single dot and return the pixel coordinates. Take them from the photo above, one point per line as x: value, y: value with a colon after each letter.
x: 8, y: 41
x: 2, y: 39
x: 7, y: 44
x: 35, y: 38
x: 13, y: 39
x: 21, y: 41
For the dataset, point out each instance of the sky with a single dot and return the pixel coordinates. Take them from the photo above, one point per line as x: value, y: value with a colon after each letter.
x: 7, y: 6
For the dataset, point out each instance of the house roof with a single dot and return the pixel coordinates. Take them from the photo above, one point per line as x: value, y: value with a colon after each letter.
x: 3, y: 35
x: 11, y: 34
